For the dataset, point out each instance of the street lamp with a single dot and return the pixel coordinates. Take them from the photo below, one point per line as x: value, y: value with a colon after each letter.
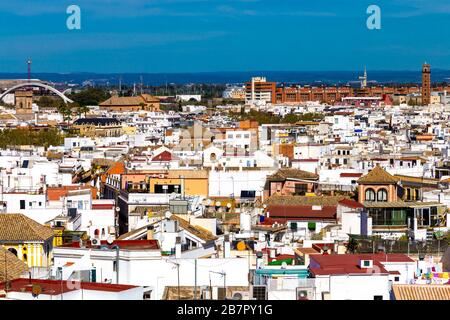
x: 224, y: 275
x: 177, y: 265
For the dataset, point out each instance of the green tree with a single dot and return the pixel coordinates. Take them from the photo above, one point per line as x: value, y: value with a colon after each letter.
x: 352, y: 245
x: 82, y: 110
x: 90, y: 96
x: 27, y: 136
x: 66, y: 111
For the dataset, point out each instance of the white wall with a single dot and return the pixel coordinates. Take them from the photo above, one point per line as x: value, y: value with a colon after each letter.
x: 146, y: 269
x: 221, y: 182
x: 353, y: 287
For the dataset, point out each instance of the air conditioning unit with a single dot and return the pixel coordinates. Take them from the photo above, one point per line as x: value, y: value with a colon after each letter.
x: 302, y: 295
x: 96, y: 242
x: 240, y: 295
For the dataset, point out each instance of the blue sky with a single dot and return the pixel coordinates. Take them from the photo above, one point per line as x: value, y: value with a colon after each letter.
x: 223, y: 35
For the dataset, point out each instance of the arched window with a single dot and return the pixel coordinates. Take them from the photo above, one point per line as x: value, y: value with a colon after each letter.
x: 13, y: 251
x: 382, y: 195
x: 96, y: 232
x: 370, y: 195
x: 213, y: 157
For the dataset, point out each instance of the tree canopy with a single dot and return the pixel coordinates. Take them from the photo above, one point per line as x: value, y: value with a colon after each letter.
x: 90, y: 96
x: 269, y: 118
x: 28, y: 136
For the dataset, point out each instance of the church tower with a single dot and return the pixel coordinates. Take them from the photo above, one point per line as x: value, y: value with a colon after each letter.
x: 426, y: 84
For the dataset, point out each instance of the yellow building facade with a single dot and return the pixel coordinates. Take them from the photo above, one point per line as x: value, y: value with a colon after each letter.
x: 28, y: 240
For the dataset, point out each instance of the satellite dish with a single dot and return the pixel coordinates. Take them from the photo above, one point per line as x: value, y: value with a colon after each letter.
x: 218, y: 204
x: 168, y: 214
x: 208, y: 202
x: 229, y: 205
x: 110, y: 240
x: 117, y: 209
x: 283, y: 265
x: 259, y: 254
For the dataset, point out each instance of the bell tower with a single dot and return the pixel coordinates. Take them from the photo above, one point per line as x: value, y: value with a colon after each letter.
x: 426, y: 84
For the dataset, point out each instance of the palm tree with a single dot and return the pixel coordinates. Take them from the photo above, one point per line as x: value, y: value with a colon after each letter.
x: 82, y: 110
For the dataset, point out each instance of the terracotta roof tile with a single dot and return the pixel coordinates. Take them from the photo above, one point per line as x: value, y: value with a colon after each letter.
x: 378, y: 176
x: 421, y: 292
x: 11, y: 267
x: 289, y: 173
x: 18, y: 227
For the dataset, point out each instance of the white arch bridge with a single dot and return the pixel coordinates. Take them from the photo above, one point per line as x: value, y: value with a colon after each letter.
x: 36, y: 84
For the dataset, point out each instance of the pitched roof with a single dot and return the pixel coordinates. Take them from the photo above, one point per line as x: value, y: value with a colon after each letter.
x: 338, y: 264
x: 349, y: 203
x: 11, y: 267
x: 289, y: 173
x: 116, y: 168
x: 129, y: 101
x: 301, y: 212
x: 304, y: 200
x: 195, y: 230
x: 18, y: 227
x: 421, y: 292
x: 163, y: 156
x: 97, y: 121
x: 55, y: 287
x: 122, y: 244
x: 378, y: 176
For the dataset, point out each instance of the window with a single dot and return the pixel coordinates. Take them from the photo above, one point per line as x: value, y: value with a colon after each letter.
x: 148, y: 295
x: 366, y: 263
x: 301, y: 189
x: 13, y: 251
x: 397, y: 279
x: 370, y: 195
x: 259, y: 292
x: 114, y: 266
x: 22, y: 204
x: 382, y: 195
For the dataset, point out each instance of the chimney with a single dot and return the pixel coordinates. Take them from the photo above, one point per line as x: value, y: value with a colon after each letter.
x: 178, y: 248
x: 150, y: 232
x: 226, y: 246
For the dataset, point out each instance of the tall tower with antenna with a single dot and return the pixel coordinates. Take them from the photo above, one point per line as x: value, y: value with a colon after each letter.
x: 29, y: 62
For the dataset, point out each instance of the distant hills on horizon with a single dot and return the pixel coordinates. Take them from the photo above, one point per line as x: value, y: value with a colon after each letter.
x: 234, y: 77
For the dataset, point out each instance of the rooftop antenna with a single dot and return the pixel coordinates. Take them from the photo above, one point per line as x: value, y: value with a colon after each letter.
x: 29, y: 62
